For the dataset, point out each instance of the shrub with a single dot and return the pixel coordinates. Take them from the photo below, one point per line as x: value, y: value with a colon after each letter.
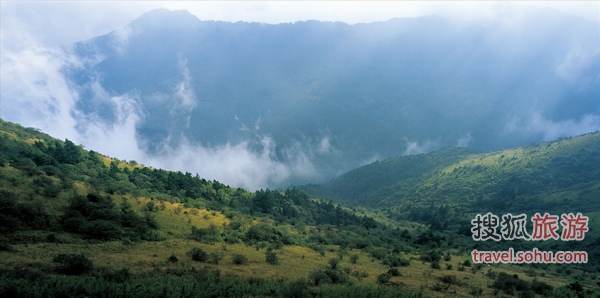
x: 435, y: 265
x: 198, y: 254
x: 396, y: 261
x: 328, y: 276
x: 210, y: 234
x: 173, y: 259
x: 384, y: 278
x: 540, y: 287
x: 354, y: 258
x: 475, y: 291
x: 271, y: 258
x: 510, y: 283
x: 215, y: 257
x: 440, y: 287
x: 150, y: 207
x: 240, y: 259
x: 72, y: 264
x: 447, y: 257
x: 119, y: 276
x: 333, y: 262
x: 449, y: 279
x: 394, y: 271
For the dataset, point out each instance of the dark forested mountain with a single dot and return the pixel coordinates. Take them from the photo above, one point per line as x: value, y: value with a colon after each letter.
x: 341, y: 95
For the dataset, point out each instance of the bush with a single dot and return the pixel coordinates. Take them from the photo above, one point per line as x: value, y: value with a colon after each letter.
x: 449, y: 279
x: 435, y: 265
x: 384, y: 278
x: 271, y: 258
x: 215, y: 257
x: 173, y: 259
x: 73, y: 264
x: 240, y: 259
x: 333, y: 262
x: 211, y: 234
x: 120, y: 276
x: 328, y: 276
x: 394, y: 271
x: 198, y: 254
x: 475, y: 291
x: 440, y: 287
x: 541, y: 288
x: 510, y: 283
x: 354, y: 258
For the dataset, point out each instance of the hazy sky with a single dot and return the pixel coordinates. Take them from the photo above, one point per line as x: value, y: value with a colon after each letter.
x: 64, y: 22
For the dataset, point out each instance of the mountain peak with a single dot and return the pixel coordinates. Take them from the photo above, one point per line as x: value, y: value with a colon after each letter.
x: 164, y: 18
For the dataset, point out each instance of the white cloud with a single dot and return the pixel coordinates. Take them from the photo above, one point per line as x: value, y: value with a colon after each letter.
x: 413, y: 148
x: 537, y: 124
x: 579, y: 67
x: 324, y: 145
x: 184, y: 93
x: 36, y: 93
x: 464, y: 140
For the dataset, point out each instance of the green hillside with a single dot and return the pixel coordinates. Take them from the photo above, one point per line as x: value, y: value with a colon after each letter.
x: 75, y: 223
x: 544, y: 177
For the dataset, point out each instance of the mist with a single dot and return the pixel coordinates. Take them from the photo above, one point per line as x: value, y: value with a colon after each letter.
x: 36, y: 92
x: 277, y: 121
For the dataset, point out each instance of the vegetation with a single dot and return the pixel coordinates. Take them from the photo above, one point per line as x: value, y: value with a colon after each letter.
x: 70, y: 216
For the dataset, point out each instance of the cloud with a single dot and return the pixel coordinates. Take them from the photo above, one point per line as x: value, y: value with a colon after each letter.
x: 464, y: 140
x: 121, y: 38
x: 36, y: 93
x: 236, y: 164
x: 537, y: 124
x: 324, y: 145
x: 184, y: 94
x: 580, y: 67
x: 413, y: 148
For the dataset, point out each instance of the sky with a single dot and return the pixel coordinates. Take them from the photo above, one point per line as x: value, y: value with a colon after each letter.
x: 34, y: 50
x: 65, y: 22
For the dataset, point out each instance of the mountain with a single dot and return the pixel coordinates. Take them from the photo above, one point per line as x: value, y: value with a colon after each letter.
x: 76, y: 222
x: 555, y: 176
x: 332, y: 96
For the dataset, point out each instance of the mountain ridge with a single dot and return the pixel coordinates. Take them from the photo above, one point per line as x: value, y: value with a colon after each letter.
x: 374, y: 90
x: 518, y: 178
